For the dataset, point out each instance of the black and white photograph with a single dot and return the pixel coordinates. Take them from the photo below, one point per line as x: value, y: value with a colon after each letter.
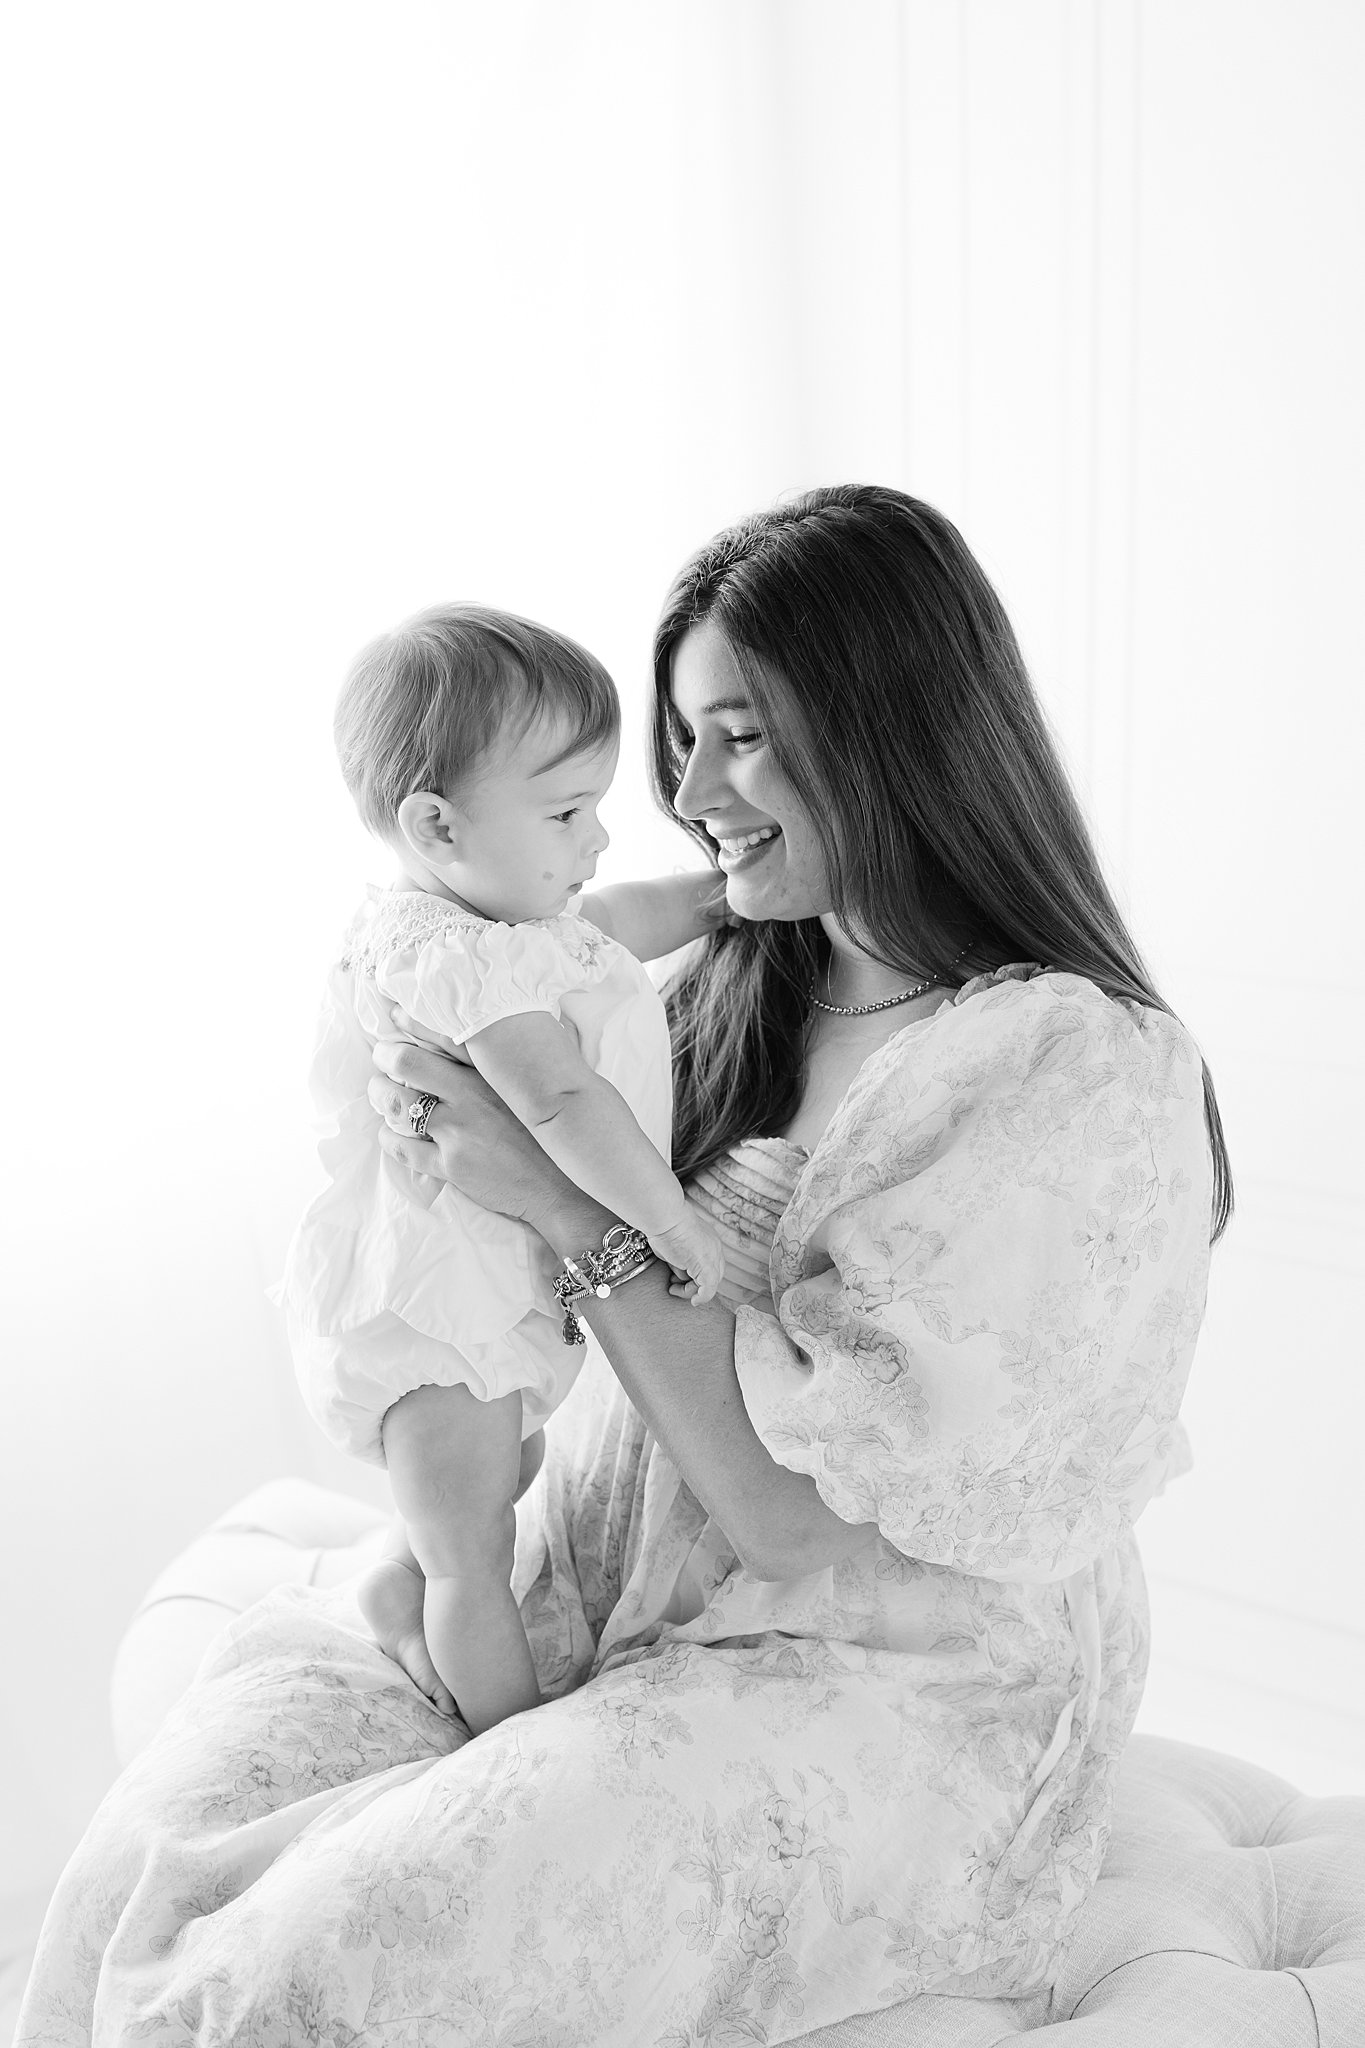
x: 683, y: 1241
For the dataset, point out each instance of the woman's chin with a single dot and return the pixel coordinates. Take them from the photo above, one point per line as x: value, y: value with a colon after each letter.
x: 762, y: 886
x: 759, y: 905
x: 740, y: 900
x: 750, y: 876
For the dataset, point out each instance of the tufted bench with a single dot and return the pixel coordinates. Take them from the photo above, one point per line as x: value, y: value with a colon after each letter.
x: 1230, y: 1914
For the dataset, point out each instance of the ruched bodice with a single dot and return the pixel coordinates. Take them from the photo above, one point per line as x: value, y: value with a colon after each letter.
x: 743, y: 1193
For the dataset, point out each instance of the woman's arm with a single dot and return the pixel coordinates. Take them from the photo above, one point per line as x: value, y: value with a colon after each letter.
x: 676, y: 1363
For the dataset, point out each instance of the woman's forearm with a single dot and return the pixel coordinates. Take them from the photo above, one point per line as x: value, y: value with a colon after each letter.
x: 675, y: 1362
x: 677, y: 1366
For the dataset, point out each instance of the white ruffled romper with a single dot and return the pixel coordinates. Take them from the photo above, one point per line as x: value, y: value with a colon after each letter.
x: 396, y: 1280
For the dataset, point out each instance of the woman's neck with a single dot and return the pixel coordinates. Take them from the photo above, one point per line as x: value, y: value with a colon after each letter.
x: 853, y: 977
x: 838, y: 1046
x: 836, y: 1049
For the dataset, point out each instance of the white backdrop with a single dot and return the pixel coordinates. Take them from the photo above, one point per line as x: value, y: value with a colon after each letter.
x: 330, y: 311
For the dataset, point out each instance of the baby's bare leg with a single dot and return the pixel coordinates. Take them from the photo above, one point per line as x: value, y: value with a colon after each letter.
x: 454, y: 1463
x: 392, y: 1590
x: 532, y: 1456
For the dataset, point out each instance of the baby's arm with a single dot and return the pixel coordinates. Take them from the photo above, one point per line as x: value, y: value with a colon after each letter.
x: 653, y: 918
x: 587, y: 1128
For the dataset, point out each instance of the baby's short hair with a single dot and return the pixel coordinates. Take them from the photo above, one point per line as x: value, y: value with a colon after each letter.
x: 424, y: 703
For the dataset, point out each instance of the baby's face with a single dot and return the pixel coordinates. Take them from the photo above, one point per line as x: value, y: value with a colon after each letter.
x: 529, y: 835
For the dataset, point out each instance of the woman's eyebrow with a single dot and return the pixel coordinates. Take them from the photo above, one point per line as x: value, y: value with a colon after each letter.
x: 725, y: 704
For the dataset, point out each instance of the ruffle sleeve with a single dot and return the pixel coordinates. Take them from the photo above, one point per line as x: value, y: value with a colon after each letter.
x: 990, y: 1281
x: 472, y: 974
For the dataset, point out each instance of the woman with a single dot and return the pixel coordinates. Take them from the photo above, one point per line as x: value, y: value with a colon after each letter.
x: 832, y: 1583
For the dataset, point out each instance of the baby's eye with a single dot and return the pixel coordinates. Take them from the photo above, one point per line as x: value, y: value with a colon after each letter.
x: 563, y: 817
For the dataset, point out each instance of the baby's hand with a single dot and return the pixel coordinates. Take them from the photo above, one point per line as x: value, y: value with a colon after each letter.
x: 694, y: 1252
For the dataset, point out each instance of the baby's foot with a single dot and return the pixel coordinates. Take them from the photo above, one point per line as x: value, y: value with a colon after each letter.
x: 390, y: 1598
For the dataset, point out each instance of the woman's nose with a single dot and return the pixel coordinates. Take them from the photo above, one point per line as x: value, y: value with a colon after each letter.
x: 696, y: 793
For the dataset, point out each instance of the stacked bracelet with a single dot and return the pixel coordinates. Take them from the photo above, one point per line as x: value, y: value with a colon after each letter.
x: 624, y: 1253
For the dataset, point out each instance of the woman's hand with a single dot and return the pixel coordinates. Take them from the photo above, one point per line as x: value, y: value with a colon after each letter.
x: 676, y: 1364
x: 472, y: 1138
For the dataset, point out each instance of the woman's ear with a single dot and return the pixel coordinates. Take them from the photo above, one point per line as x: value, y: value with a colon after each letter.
x: 430, y: 827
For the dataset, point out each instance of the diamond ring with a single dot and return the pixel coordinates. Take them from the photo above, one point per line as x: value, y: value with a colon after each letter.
x: 419, y: 1114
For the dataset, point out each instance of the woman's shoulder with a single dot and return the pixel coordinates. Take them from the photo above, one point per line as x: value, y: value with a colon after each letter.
x: 1024, y: 988
x: 1050, y: 1043
x: 1033, y: 1019
x: 1025, y: 1077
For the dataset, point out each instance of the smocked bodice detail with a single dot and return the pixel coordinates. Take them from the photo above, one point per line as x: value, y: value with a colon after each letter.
x: 743, y: 1193
x: 399, y: 920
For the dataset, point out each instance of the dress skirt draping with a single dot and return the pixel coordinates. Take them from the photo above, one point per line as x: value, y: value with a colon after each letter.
x: 747, y: 1809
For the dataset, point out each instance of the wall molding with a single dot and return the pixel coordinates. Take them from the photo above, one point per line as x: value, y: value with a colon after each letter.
x: 1298, y: 1681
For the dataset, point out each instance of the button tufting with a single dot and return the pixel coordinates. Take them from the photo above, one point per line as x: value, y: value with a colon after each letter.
x: 1230, y: 1913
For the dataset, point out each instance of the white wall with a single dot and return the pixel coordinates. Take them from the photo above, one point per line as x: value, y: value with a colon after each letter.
x: 333, y: 311
x: 1136, y: 322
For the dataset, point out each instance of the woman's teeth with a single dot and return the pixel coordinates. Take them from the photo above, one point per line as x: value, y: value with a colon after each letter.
x: 747, y: 839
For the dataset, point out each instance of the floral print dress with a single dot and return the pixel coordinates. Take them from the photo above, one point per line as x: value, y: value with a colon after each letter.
x: 747, y: 1809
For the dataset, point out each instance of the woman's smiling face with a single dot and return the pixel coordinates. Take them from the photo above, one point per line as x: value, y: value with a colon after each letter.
x: 773, y: 862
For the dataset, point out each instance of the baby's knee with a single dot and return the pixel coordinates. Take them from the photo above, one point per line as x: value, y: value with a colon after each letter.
x: 445, y: 1437
x: 469, y: 1540
x: 454, y: 1464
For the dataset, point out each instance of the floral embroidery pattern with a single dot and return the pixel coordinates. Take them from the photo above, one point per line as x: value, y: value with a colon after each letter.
x: 404, y: 920
x: 747, y: 1809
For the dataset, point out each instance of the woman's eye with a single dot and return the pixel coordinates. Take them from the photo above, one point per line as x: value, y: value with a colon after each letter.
x: 741, y: 737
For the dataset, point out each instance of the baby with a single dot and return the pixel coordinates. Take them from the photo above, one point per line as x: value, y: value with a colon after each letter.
x: 425, y: 1330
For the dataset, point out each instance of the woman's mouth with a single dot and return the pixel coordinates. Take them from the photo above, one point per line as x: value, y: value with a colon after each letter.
x: 742, y: 849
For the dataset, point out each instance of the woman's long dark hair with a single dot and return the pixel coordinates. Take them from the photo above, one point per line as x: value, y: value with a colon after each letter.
x: 923, y: 760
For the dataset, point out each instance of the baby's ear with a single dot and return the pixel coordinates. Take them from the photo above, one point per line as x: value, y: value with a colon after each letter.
x: 429, y: 824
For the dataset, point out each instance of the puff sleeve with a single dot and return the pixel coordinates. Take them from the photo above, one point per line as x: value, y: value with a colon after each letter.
x: 990, y: 1281
x: 468, y: 977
